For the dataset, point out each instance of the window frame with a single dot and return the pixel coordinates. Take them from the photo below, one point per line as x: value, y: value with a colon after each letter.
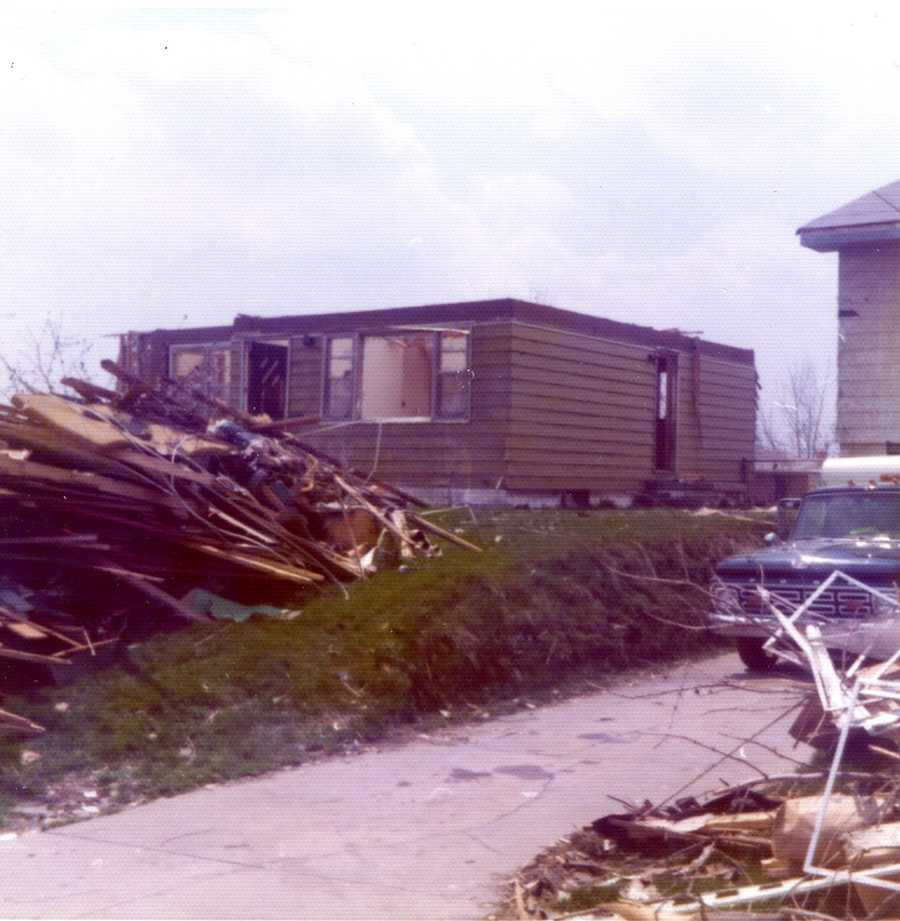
x: 207, y: 347
x: 358, y: 338
x: 666, y: 361
x: 326, y: 376
x: 246, y: 343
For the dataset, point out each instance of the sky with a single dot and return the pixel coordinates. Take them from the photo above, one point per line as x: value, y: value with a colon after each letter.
x: 165, y: 167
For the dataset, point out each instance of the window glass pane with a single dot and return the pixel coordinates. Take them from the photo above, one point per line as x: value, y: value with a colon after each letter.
x: 185, y: 361
x: 454, y: 352
x: 453, y: 381
x: 341, y: 348
x: 663, y: 402
x: 397, y: 374
x: 453, y: 395
x: 219, y: 372
x: 339, y: 382
x: 207, y: 367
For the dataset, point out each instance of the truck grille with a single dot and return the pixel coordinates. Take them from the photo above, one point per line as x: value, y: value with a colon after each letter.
x: 833, y: 602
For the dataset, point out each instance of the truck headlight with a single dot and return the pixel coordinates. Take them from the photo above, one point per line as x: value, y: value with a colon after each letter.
x: 726, y: 598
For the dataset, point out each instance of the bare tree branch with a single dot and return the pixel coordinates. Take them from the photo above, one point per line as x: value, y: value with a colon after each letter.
x: 46, y: 355
x: 798, y: 422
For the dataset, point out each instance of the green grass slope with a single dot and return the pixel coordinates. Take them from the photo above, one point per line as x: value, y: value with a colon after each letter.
x: 543, y: 603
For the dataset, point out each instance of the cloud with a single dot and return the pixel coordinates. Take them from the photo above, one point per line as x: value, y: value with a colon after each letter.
x: 648, y: 162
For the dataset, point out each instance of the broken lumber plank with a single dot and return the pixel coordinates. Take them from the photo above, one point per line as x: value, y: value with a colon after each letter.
x: 158, y: 466
x: 83, y: 647
x: 7, y: 653
x: 160, y: 595
x: 372, y: 483
x: 290, y: 573
x: 120, y: 374
x: 14, y: 721
x: 277, y: 425
x: 88, y: 539
x: 381, y: 516
x: 442, y: 532
x: 61, y: 415
x: 93, y: 393
x: 25, y: 630
x: 13, y: 472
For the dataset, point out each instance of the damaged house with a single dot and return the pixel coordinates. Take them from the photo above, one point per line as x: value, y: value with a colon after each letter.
x: 500, y: 401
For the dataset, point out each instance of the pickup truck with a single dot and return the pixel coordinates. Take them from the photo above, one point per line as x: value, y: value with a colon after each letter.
x: 850, y: 525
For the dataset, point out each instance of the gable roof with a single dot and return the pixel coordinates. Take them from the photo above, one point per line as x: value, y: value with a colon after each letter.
x: 871, y: 218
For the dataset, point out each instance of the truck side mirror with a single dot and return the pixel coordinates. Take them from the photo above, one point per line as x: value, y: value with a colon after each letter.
x: 787, y: 515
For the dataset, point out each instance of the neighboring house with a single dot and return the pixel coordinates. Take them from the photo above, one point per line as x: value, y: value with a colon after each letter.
x: 500, y: 401
x: 776, y: 476
x: 866, y: 235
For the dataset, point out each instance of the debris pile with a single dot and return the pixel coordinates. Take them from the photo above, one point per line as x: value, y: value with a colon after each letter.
x: 788, y: 846
x: 766, y: 846
x: 120, y: 508
x: 851, y: 693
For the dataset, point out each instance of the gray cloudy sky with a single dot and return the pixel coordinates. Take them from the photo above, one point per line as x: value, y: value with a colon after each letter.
x: 645, y: 162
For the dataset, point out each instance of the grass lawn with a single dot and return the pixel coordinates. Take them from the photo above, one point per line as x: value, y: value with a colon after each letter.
x: 540, y: 605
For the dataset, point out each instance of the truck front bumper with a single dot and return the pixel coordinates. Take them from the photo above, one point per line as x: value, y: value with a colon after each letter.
x: 741, y: 624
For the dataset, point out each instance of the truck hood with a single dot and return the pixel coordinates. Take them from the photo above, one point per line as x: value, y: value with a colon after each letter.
x: 874, y: 563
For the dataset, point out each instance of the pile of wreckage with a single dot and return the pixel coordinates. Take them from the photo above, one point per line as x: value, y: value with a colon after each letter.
x: 120, y: 509
x: 766, y: 847
x: 821, y: 845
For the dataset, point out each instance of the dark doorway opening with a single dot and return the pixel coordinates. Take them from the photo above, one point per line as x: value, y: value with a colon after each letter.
x: 666, y: 380
x: 267, y: 370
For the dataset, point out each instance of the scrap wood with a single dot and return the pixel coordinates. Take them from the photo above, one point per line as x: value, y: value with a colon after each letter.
x: 12, y: 721
x: 161, y: 488
x: 444, y: 533
x: 279, y: 425
x: 7, y: 653
x: 157, y: 594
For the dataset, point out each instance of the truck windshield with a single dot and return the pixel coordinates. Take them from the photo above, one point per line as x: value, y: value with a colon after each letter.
x: 849, y: 515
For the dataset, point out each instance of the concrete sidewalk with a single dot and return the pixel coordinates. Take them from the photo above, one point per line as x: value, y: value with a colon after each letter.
x: 427, y: 830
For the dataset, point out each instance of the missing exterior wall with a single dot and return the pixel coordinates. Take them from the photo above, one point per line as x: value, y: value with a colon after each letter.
x: 407, y: 375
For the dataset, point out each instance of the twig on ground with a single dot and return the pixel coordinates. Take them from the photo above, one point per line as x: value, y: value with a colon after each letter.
x: 725, y: 757
x: 716, y: 751
x: 768, y: 748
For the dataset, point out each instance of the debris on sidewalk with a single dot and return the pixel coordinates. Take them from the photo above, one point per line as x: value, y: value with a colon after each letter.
x: 750, y: 846
x: 849, y: 688
x: 823, y: 845
x: 125, y: 508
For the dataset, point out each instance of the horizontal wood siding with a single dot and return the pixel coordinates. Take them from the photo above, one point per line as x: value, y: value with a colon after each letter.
x: 581, y: 412
x: 720, y: 447
x: 551, y: 410
x: 582, y: 415
x: 463, y: 454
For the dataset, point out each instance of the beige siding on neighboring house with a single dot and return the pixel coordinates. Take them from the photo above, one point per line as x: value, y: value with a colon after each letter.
x: 868, y: 409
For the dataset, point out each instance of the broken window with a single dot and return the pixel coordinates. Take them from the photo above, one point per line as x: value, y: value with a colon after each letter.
x: 339, y: 378
x: 397, y: 377
x: 207, y: 367
x: 453, y: 376
x: 267, y: 373
x: 666, y: 372
x: 410, y: 374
